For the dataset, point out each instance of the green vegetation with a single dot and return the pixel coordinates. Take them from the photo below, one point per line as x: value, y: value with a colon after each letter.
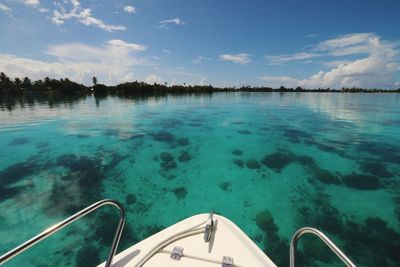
x: 18, y: 86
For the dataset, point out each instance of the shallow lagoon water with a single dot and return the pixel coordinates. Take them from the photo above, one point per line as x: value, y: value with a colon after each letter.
x: 270, y: 162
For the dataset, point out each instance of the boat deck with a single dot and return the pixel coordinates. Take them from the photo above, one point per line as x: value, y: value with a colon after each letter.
x: 227, y: 240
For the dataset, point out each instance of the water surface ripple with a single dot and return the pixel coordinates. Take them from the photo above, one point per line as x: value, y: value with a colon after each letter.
x: 270, y: 162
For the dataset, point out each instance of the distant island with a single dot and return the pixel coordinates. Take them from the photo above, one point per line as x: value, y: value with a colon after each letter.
x: 48, y: 85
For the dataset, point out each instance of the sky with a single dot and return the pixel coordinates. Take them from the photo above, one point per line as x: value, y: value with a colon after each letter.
x: 308, y: 43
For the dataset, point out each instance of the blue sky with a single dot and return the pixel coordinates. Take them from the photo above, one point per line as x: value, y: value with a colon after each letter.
x: 309, y: 43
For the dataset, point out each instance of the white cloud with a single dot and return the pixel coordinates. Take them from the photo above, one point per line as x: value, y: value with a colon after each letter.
x: 167, y: 52
x: 31, y: 2
x: 130, y: 46
x: 352, y: 44
x: 112, y: 63
x: 241, y: 58
x: 165, y: 23
x: 369, y: 72
x: 84, y: 16
x: 152, y: 78
x: 43, y: 10
x: 130, y: 9
x: 4, y: 8
x: 376, y: 66
x: 336, y: 63
x: 290, y: 57
x: 201, y: 59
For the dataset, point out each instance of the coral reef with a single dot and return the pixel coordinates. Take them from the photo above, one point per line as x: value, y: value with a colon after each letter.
x: 238, y: 163
x: 182, y: 141
x: 226, y: 186
x: 167, y: 161
x: 375, y: 168
x: 325, y: 176
x: 275, y: 246
x: 130, y: 199
x: 164, y: 136
x: 252, y: 164
x: 180, y: 192
x: 87, y: 256
x: 277, y: 161
x: 245, y: 132
x: 361, y: 181
x: 237, y: 152
x: 184, y: 156
x: 19, y: 141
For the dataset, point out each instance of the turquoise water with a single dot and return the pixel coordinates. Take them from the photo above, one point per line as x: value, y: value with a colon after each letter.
x: 271, y: 162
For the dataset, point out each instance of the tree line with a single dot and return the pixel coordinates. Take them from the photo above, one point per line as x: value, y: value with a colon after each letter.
x: 19, y: 86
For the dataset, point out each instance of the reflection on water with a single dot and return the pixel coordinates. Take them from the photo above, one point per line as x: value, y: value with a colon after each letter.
x: 271, y: 162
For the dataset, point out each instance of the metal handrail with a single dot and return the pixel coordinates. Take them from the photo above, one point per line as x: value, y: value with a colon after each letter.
x: 323, y: 237
x: 51, y: 230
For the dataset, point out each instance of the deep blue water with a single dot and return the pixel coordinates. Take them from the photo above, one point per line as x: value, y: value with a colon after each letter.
x: 270, y: 162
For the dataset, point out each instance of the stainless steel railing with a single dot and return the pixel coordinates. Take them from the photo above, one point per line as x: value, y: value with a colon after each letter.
x: 51, y: 230
x: 324, y: 238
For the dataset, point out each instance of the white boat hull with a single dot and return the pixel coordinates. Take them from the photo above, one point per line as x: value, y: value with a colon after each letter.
x: 227, y: 240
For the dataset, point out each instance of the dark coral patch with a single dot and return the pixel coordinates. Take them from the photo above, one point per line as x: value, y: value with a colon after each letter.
x: 166, y: 157
x: 19, y: 141
x: 111, y: 132
x: 226, y: 186
x: 167, y: 161
x: 238, y: 122
x: 295, y: 136
x: 87, y: 256
x: 245, y: 132
x: 388, y: 152
x: 77, y: 163
x: 115, y: 160
x: 104, y: 226
x: 88, y: 172
x: 238, y: 163
x: 17, y: 171
x: 130, y: 199
x: 9, y: 192
x: 171, y: 177
x: 82, y: 136
x: 137, y: 135
x: 42, y: 145
x: 322, y: 215
x: 372, y: 243
x: 362, y: 182
x: 164, y: 136
x: 184, y: 156
x: 305, y: 161
x: 237, y: 152
x: 182, y: 141
x: 168, y: 165
x: 180, y: 192
x: 314, y: 250
x: 252, y: 164
x: 325, y: 177
x: 265, y: 221
x: 195, y: 124
x: 273, y: 243
x: 375, y: 168
x: 277, y: 161
x: 170, y: 123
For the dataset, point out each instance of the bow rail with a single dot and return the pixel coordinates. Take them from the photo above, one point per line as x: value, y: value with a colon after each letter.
x: 55, y: 228
x: 308, y: 230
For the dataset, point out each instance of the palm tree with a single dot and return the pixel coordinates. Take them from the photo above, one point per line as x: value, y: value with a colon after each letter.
x: 18, y: 82
x: 26, y: 83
